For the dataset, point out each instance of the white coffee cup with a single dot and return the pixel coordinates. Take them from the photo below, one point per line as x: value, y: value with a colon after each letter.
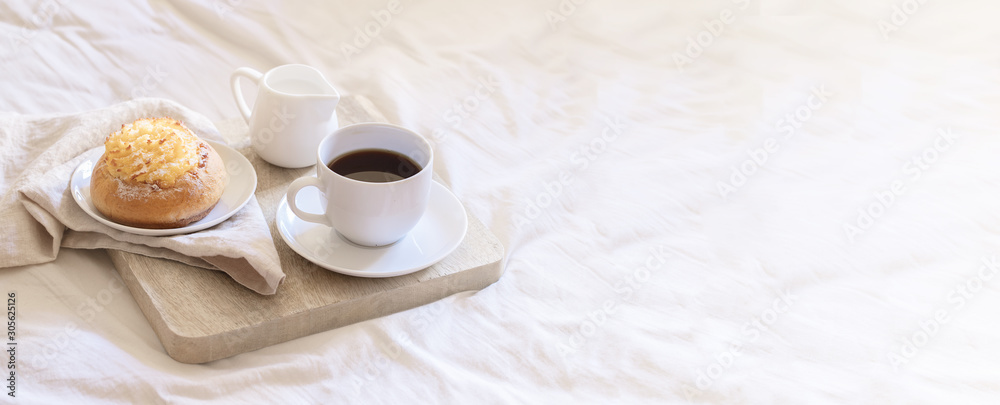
x: 369, y: 213
x: 295, y: 108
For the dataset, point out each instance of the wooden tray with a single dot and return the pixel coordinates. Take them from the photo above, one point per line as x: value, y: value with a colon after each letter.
x: 202, y: 315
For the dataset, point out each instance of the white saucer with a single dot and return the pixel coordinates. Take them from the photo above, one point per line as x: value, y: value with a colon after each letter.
x: 438, y: 233
x: 241, y: 186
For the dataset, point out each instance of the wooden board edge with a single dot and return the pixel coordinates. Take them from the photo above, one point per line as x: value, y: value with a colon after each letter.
x: 203, y: 349
x: 142, y: 298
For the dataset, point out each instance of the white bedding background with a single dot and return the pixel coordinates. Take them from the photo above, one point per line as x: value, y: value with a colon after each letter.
x: 728, y: 201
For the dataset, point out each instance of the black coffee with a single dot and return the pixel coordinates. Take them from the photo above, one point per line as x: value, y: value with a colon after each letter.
x: 374, y: 165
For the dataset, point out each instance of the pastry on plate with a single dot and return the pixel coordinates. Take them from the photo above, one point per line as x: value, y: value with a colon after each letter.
x: 155, y: 173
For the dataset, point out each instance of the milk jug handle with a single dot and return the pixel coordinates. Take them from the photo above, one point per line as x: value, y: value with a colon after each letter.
x: 234, y: 84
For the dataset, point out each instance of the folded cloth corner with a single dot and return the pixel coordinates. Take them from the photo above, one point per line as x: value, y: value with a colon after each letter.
x: 40, y: 215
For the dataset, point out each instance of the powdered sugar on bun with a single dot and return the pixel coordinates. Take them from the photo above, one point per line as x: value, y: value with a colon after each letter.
x: 145, y: 187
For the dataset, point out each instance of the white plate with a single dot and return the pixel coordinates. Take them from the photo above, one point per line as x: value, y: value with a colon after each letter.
x: 438, y: 233
x: 239, y: 189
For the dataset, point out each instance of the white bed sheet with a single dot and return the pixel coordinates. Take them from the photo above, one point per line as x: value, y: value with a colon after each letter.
x: 679, y: 187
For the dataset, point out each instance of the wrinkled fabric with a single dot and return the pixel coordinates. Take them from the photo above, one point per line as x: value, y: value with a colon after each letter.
x: 40, y: 214
x: 714, y: 202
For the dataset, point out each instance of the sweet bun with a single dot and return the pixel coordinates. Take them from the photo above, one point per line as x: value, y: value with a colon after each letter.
x: 155, y: 173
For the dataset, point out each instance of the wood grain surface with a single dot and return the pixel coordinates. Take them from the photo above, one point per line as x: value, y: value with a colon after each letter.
x: 202, y: 315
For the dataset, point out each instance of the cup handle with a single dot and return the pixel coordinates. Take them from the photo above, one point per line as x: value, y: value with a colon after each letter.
x: 293, y: 190
x: 234, y: 84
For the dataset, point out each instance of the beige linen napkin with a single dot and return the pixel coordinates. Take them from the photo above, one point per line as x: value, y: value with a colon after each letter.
x: 38, y: 213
